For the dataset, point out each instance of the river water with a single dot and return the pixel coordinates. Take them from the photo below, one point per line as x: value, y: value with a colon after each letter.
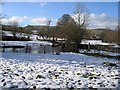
x: 32, y: 49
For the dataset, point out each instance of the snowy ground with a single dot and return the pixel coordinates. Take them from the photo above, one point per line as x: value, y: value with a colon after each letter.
x: 25, y: 70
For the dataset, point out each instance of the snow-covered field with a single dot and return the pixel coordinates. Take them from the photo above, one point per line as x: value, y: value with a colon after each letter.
x: 25, y: 70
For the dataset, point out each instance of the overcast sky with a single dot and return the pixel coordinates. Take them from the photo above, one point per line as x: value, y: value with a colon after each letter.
x: 101, y: 14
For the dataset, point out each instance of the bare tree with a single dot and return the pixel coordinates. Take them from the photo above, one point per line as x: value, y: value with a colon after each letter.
x: 81, y: 16
x: 43, y: 33
x: 15, y: 28
x: 48, y: 27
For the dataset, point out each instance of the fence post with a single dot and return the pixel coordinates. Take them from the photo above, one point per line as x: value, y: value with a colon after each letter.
x: 44, y: 49
x: 4, y: 47
x: 40, y: 48
x: 89, y: 47
x: 26, y: 49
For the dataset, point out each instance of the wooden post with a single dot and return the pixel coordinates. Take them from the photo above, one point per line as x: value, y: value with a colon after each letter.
x: 95, y: 47
x: 52, y: 49
x: 44, y: 49
x: 89, y: 47
x: 26, y: 49
x: 40, y: 48
x: 4, y: 47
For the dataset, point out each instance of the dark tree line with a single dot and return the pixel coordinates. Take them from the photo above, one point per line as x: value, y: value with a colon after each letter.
x: 111, y: 36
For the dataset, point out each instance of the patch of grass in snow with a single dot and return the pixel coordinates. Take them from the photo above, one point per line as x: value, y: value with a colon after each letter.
x: 103, y: 55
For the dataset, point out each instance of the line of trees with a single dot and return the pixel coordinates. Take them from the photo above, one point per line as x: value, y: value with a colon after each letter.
x: 111, y: 36
x: 73, y: 29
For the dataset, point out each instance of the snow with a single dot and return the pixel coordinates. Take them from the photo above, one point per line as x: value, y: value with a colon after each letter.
x: 63, y: 58
x: 116, y: 46
x: 100, y: 52
x: 28, y: 70
x: 25, y: 70
x: 7, y: 33
x: 95, y: 42
x: 34, y: 37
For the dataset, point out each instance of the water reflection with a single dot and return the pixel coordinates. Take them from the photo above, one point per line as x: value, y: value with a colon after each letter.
x: 32, y: 49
